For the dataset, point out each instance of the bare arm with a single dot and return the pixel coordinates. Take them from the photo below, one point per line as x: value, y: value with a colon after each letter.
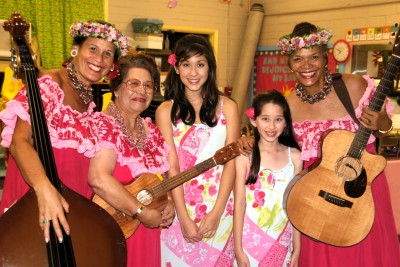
x: 242, y: 165
x: 298, y: 166
x: 101, y: 168
x: 209, y: 224
x: 164, y: 124
x: 50, y: 202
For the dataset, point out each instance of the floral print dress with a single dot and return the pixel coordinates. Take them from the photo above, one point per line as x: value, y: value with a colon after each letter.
x: 267, y: 234
x: 194, y: 144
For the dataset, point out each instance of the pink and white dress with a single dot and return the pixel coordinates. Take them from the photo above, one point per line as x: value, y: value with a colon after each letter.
x: 381, y: 246
x: 194, y: 144
x: 267, y: 233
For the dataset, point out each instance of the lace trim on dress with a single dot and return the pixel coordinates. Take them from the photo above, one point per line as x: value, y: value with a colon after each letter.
x: 153, y: 157
x: 309, y: 133
x: 68, y: 128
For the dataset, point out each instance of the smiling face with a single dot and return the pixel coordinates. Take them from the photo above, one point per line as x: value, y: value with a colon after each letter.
x: 94, y: 60
x: 270, y: 123
x: 309, y: 65
x: 193, y: 72
x: 136, y: 100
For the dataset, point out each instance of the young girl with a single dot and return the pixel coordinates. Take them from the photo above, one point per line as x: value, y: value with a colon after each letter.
x: 198, y: 120
x: 263, y: 235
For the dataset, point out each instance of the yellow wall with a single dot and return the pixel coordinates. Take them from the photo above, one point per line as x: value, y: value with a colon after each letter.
x: 280, y: 17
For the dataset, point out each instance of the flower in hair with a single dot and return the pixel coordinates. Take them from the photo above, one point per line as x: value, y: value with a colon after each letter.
x: 112, y: 74
x: 172, y: 59
x: 289, y: 43
x: 250, y: 113
x: 103, y: 31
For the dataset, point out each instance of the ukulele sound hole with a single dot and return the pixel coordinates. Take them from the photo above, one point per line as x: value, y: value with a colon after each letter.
x: 348, y: 168
x: 145, y: 197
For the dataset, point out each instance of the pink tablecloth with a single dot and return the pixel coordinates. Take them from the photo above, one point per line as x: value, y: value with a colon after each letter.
x: 392, y: 172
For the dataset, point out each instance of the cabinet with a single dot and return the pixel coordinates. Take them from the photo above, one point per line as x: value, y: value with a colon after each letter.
x: 161, y: 57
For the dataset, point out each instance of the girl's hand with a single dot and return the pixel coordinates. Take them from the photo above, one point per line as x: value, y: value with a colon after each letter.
x: 208, y: 226
x: 190, y: 231
x: 52, y: 208
x: 168, y: 214
x: 242, y: 259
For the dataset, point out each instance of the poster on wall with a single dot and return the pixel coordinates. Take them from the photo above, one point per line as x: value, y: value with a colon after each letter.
x: 272, y: 72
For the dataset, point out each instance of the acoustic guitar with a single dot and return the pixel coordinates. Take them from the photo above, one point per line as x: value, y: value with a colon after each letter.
x: 333, y: 202
x: 151, y: 189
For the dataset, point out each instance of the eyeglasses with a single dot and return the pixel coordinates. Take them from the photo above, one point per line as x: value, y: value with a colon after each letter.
x: 134, y: 84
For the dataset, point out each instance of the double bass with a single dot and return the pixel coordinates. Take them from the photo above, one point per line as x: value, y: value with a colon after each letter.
x: 96, y: 239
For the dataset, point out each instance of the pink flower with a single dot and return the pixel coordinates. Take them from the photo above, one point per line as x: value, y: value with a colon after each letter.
x: 259, y: 197
x: 201, y: 212
x: 250, y: 113
x: 172, y: 59
x: 193, y: 192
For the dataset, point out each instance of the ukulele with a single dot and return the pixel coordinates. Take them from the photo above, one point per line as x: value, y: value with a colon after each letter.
x: 333, y: 202
x: 151, y: 189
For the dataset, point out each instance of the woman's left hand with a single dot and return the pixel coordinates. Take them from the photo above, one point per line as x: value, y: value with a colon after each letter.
x: 168, y: 214
x: 208, y: 226
x: 375, y: 120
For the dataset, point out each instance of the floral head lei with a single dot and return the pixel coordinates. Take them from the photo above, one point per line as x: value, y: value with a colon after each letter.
x: 102, y: 31
x: 289, y: 43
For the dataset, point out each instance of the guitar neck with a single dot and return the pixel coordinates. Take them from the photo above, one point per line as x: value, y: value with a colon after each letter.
x: 382, y: 91
x: 186, y: 175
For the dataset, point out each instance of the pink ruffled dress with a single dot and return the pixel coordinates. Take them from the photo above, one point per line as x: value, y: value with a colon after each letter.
x: 73, y: 136
x: 381, y: 246
x: 143, y: 247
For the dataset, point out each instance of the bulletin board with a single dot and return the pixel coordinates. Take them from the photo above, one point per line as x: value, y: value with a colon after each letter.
x: 271, y: 71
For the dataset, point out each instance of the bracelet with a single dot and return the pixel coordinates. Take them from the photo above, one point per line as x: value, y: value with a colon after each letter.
x: 139, y: 210
x: 385, y: 132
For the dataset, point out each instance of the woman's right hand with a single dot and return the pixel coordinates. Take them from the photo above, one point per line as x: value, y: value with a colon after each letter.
x: 242, y: 259
x: 151, y: 218
x: 52, y: 208
x: 245, y: 144
x: 190, y: 231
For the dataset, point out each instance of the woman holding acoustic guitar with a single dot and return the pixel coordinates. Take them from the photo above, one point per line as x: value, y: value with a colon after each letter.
x: 69, y: 110
x: 132, y: 146
x: 316, y: 109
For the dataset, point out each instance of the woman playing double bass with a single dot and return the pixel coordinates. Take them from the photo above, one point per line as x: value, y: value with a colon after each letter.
x: 69, y: 110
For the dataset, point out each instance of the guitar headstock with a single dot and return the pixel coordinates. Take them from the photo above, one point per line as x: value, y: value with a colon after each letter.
x: 22, y: 57
x: 396, y: 46
x: 16, y: 25
x: 226, y: 153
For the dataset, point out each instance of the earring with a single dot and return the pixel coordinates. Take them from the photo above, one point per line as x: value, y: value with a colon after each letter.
x: 112, y: 68
x: 74, y: 52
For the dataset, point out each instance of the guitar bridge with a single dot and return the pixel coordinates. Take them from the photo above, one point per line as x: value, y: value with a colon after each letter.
x: 338, y: 201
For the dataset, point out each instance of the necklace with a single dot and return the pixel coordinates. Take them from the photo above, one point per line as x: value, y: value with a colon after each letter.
x: 140, y: 141
x: 85, y: 94
x: 311, y: 99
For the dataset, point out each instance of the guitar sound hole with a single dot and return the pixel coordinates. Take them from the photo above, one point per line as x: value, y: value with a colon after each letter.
x: 145, y: 197
x: 348, y: 168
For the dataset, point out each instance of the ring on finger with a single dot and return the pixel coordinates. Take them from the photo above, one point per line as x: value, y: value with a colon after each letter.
x: 44, y: 221
x: 369, y: 121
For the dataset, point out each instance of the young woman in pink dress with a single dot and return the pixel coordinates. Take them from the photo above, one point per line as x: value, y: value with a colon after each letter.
x: 263, y: 235
x: 196, y: 121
